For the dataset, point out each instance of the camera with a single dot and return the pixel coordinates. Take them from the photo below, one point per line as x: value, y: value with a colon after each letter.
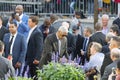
x: 13, y: 15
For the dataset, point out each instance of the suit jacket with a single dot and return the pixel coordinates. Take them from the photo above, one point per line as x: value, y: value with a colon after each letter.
x: 98, y: 37
x: 107, y: 60
x: 3, y: 30
x: 108, y: 70
x: 117, y: 22
x: 19, y: 48
x: 79, y: 45
x: 34, y: 46
x: 71, y: 43
x: 51, y: 46
x: 5, y: 67
x: 23, y: 27
x: 42, y: 28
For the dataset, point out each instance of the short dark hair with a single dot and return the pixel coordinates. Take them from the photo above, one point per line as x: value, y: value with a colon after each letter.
x: 115, y: 28
x: 14, y: 22
x: 34, y: 19
x: 1, y: 45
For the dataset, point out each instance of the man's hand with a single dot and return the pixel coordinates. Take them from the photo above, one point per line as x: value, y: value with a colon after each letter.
x: 35, y: 62
x: 82, y: 52
x: 18, y: 64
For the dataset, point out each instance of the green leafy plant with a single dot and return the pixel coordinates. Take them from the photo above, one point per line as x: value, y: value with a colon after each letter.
x: 57, y: 71
x: 20, y: 78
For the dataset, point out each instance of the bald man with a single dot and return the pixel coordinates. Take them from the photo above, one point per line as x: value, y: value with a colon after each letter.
x: 21, y: 19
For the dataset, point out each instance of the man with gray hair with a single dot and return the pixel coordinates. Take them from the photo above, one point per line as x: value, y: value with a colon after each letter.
x: 115, y: 56
x: 55, y: 44
x: 105, y: 20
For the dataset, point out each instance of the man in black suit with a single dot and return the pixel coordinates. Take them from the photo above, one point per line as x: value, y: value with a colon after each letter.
x: 117, y: 21
x: 34, y: 46
x: 98, y: 36
x: 3, y: 30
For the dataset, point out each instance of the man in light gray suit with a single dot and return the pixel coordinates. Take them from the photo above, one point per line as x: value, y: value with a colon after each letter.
x: 55, y: 43
x: 5, y: 64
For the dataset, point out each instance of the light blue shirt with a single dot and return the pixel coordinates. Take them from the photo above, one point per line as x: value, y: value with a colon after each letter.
x: 96, y: 60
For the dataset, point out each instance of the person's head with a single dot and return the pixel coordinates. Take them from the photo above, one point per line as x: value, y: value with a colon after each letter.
x: 53, y: 18
x: 87, y: 31
x: 98, y: 26
x: 1, y: 47
x: 115, y: 54
x: 105, y: 19
x: 1, y: 20
x: 95, y: 47
x: 109, y: 36
x: 19, y: 9
x: 118, y: 68
x: 114, y: 42
x: 115, y: 29
x: 33, y: 21
x: 66, y: 24
x: 75, y: 30
x: 47, y: 23
x: 78, y: 14
x: 13, y: 27
x: 62, y: 32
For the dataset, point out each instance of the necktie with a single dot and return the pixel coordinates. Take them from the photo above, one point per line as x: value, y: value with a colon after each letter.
x: 84, y: 44
x: 10, y: 43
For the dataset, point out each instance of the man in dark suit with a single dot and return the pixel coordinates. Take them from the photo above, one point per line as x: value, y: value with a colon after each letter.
x: 46, y: 28
x: 55, y: 44
x: 34, y: 45
x: 15, y: 46
x: 5, y: 64
x: 98, y: 36
x: 3, y: 30
x: 117, y: 21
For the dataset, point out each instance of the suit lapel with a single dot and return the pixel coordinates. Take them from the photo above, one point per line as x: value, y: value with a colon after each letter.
x: 55, y: 43
x: 15, y: 42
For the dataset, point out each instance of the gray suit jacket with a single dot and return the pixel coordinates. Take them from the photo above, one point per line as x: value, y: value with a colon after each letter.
x: 5, y: 67
x: 51, y: 46
x: 108, y: 70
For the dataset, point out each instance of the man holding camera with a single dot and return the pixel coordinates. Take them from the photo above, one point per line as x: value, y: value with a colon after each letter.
x: 21, y: 19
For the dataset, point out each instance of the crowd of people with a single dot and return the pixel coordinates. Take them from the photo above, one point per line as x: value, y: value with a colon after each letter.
x: 26, y: 44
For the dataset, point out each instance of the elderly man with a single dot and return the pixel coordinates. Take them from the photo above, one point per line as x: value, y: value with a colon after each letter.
x: 55, y: 43
x: 115, y: 56
x: 105, y: 20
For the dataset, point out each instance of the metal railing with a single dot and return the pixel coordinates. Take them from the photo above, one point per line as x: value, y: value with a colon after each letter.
x: 59, y: 7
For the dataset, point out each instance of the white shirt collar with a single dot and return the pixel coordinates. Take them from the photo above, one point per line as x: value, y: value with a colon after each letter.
x: 21, y: 16
x: 0, y: 26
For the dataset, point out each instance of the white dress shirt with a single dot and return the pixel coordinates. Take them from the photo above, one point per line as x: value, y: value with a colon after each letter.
x: 12, y: 41
x: 30, y: 32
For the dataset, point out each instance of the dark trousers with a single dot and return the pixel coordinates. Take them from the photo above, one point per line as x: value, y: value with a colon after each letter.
x: 33, y: 68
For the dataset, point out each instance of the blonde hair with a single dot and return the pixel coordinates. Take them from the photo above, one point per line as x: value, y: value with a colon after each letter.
x: 63, y: 29
x: 115, y: 52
